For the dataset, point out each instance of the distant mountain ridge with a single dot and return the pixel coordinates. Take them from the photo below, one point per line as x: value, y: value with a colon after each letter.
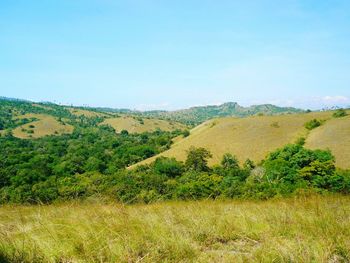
x: 199, y: 114
x: 194, y: 115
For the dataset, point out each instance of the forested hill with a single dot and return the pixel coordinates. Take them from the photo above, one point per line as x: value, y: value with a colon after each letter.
x: 197, y: 115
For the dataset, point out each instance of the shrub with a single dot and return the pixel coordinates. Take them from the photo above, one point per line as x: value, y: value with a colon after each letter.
x: 124, y: 132
x: 168, y: 166
x: 300, y: 141
x: 339, y: 113
x: 186, y: 133
x: 312, y: 124
x: 275, y: 125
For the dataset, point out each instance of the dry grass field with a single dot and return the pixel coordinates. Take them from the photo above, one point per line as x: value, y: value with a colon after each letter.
x: 86, y: 113
x: 254, y: 137
x: 334, y: 135
x: 303, y: 229
x: 45, y: 107
x: 46, y: 125
x: 135, y: 125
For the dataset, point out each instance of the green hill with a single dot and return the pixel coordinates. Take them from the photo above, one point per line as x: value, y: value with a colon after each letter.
x: 197, y: 115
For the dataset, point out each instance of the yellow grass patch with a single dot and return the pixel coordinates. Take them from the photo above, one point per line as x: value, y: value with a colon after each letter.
x: 42, y: 106
x: 46, y: 125
x: 304, y: 229
x: 253, y: 137
x: 335, y: 136
x: 86, y: 113
x: 134, y: 125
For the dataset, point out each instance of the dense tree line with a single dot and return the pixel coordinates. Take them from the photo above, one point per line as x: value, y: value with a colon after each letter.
x: 28, y: 165
x: 92, y: 164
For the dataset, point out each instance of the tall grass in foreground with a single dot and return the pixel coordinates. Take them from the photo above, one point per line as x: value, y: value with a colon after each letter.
x: 308, y: 229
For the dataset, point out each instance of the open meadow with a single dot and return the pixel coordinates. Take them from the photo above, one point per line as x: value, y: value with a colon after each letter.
x: 300, y: 229
x: 44, y: 126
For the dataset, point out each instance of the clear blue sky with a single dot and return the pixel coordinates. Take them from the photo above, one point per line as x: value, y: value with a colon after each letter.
x: 172, y: 54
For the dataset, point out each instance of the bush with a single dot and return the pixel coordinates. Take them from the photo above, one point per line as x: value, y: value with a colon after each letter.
x: 312, y: 124
x: 340, y: 113
x: 168, y: 166
x: 124, y: 132
x: 186, y: 133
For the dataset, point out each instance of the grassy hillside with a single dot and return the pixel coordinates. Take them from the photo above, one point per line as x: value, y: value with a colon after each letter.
x: 18, y: 117
x: 139, y: 124
x: 333, y: 135
x: 43, y: 126
x: 304, y: 229
x: 86, y: 113
x: 254, y: 137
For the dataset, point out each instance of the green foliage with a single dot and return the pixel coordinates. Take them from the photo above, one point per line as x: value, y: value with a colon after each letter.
x: 186, y: 133
x: 168, y: 166
x: 300, y: 141
x: 229, y: 161
x: 30, y: 167
x: 124, y: 133
x: 314, y: 123
x: 197, y: 159
x: 44, y: 178
x: 340, y: 113
x: 248, y: 165
x: 195, y: 185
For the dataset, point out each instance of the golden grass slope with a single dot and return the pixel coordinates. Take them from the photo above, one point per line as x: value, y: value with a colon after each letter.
x: 303, y: 229
x: 46, y: 125
x: 86, y: 113
x: 333, y: 135
x: 253, y: 137
x: 134, y: 124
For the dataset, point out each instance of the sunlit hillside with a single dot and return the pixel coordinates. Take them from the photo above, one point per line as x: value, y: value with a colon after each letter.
x: 333, y: 135
x: 43, y: 125
x: 254, y: 137
x: 138, y: 124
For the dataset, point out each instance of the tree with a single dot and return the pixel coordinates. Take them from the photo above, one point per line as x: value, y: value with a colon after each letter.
x: 197, y: 159
x: 249, y: 165
x: 229, y: 162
